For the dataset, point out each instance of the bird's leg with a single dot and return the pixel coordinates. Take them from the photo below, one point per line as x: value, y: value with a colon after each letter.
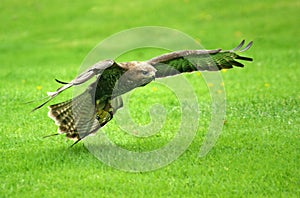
x: 105, y: 114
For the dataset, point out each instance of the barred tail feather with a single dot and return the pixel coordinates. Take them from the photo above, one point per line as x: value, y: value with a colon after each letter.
x: 76, y: 117
x: 62, y: 114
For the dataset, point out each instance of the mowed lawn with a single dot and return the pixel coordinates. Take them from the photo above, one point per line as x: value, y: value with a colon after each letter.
x: 257, y: 153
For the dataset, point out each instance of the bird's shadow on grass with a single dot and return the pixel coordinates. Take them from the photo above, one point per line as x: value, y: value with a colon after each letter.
x: 63, y: 156
x: 64, y: 150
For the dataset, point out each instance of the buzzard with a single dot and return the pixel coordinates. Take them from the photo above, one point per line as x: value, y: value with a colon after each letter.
x: 86, y: 113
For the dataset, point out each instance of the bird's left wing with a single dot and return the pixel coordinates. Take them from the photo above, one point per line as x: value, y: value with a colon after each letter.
x: 92, y: 71
x: 198, y: 60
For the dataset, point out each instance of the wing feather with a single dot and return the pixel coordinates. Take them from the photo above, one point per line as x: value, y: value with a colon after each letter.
x: 239, y: 46
x: 198, y: 60
x: 92, y: 71
x: 180, y: 54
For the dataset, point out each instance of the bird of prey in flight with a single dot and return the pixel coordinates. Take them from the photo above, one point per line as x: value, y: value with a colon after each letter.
x: 86, y: 113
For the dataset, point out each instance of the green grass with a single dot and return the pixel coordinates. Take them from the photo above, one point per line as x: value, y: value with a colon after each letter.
x: 257, y: 154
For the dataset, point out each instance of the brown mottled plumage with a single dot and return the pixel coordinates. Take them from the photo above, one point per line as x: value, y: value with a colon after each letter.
x: 91, y: 110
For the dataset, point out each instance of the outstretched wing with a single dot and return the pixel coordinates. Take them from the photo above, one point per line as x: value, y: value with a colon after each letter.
x: 94, y: 70
x: 198, y: 60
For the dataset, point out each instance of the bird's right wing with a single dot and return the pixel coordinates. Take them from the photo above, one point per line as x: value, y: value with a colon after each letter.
x: 92, y: 71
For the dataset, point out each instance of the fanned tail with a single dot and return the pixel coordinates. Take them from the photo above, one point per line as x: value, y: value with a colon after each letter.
x: 63, y: 116
x: 80, y: 117
x: 76, y: 118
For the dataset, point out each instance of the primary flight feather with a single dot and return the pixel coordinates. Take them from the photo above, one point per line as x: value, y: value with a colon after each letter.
x: 86, y: 113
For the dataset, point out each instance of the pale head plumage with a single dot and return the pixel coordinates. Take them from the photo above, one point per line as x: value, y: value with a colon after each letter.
x: 137, y: 74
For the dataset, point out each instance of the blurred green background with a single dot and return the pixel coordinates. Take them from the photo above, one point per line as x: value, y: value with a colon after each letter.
x: 257, y: 154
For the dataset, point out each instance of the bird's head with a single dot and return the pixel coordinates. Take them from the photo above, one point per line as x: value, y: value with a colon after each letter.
x: 137, y: 74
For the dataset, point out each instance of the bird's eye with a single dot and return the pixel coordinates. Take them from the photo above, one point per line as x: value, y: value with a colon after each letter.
x: 145, y: 72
